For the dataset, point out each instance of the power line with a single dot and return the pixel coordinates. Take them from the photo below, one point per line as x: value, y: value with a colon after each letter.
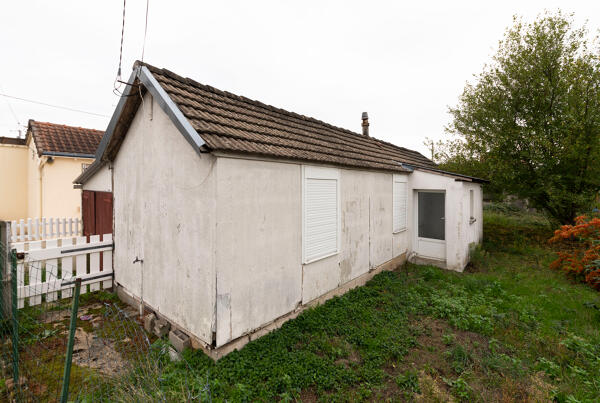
x: 53, y: 106
x: 145, y: 29
x: 12, y: 111
x: 122, y: 36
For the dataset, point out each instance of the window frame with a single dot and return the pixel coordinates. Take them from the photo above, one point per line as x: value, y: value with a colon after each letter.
x: 402, y: 179
x: 317, y: 172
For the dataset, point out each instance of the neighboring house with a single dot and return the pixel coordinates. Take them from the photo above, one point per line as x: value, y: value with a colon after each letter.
x: 40, y: 174
x: 232, y: 215
x: 13, y: 176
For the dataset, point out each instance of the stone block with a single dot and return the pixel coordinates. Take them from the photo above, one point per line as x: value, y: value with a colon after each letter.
x: 161, y: 327
x: 179, y: 340
x: 149, y: 321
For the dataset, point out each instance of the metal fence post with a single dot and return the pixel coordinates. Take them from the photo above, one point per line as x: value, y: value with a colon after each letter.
x: 5, y: 293
x: 69, y: 356
x: 15, y: 319
x: 3, y: 276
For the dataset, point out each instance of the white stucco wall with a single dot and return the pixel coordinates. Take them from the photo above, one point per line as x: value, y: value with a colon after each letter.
x: 164, y: 208
x: 459, y: 233
x: 366, y: 233
x: 260, y: 275
x: 101, y: 180
x: 475, y: 229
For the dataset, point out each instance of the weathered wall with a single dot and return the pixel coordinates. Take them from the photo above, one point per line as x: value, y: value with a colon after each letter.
x: 101, y: 180
x: 475, y: 229
x: 13, y: 182
x: 164, y: 209
x: 459, y: 233
x: 366, y: 233
x: 259, y: 276
x: 59, y: 199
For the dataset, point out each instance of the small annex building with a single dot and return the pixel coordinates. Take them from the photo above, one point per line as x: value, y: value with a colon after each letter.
x: 231, y: 216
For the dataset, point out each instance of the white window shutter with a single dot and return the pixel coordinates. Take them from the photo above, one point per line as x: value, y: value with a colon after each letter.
x: 321, y: 213
x: 400, y: 194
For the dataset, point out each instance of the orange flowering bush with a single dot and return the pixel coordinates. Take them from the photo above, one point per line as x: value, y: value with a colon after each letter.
x: 580, y: 249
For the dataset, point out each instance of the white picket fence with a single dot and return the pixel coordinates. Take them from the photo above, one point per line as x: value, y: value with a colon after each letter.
x: 35, y: 229
x: 48, y: 267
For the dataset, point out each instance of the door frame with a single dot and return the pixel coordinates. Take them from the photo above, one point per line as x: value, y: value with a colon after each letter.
x: 416, y: 237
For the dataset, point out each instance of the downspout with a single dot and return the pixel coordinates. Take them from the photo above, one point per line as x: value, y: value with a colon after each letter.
x: 40, y: 170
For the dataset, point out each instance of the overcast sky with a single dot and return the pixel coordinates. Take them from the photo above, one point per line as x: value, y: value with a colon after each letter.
x: 403, y: 63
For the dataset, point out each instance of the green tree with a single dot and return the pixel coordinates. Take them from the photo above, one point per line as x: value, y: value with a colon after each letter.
x: 532, y: 117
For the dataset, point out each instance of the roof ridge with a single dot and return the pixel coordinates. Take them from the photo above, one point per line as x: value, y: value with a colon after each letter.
x: 63, y: 125
x: 242, y: 98
x: 230, y: 115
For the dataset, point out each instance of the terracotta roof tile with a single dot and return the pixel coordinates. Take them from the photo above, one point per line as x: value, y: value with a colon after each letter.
x: 228, y: 122
x: 55, y: 138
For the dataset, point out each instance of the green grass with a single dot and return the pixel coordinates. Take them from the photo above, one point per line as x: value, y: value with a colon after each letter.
x: 509, y: 330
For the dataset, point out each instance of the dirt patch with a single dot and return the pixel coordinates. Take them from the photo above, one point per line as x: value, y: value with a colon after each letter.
x: 308, y: 396
x: 97, y: 353
x: 436, y: 337
x: 55, y: 316
x: 472, y: 268
x: 432, y: 390
x: 443, y: 354
x: 538, y: 389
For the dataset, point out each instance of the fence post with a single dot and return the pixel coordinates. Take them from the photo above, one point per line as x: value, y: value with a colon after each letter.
x: 15, y: 319
x: 69, y: 356
x: 3, y: 270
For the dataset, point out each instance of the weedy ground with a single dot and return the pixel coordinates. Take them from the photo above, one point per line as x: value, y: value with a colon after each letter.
x: 508, y: 329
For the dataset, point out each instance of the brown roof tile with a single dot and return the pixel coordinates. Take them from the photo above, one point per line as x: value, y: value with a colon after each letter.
x: 12, y: 140
x: 55, y: 138
x: 228, y: 122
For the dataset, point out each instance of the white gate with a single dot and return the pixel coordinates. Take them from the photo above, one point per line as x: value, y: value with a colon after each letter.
x: 48, y: 267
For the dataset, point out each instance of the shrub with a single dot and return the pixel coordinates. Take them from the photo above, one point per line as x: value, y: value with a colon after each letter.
x: 580, y: 253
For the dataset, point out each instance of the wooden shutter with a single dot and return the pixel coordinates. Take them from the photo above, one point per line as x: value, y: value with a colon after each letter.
x: 104, y: 213
x: 88, y: 212
x: 400, y: 195
x: 321, y: 213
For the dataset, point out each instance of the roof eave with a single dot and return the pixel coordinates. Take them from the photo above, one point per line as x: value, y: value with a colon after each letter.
x: 170, y: 108
x: 70, y: 155
x: 88, y: 173
x: 458, y: 177
x: 145, y: 77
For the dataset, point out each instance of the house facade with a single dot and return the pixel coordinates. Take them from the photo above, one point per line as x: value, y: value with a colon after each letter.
x: 42, y: 168
x: 13, y: 178
x: 231, y: 216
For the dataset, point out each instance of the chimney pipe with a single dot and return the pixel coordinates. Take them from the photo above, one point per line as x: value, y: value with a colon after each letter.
x: 365, y: 124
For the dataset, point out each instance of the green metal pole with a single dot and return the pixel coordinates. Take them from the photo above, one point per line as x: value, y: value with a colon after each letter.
x: 3, y: 260
x: 69, y: 358
x: 15, y: 319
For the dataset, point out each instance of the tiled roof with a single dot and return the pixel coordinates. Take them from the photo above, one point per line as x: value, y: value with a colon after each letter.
x: 228, y: 122
x: 13, y: 141
x: 54, y: 138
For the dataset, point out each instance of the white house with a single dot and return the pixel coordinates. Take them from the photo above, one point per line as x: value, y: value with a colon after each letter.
x: 231, y: 216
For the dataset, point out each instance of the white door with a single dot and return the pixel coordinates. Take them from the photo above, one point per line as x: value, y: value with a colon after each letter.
x: 431, y: 224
